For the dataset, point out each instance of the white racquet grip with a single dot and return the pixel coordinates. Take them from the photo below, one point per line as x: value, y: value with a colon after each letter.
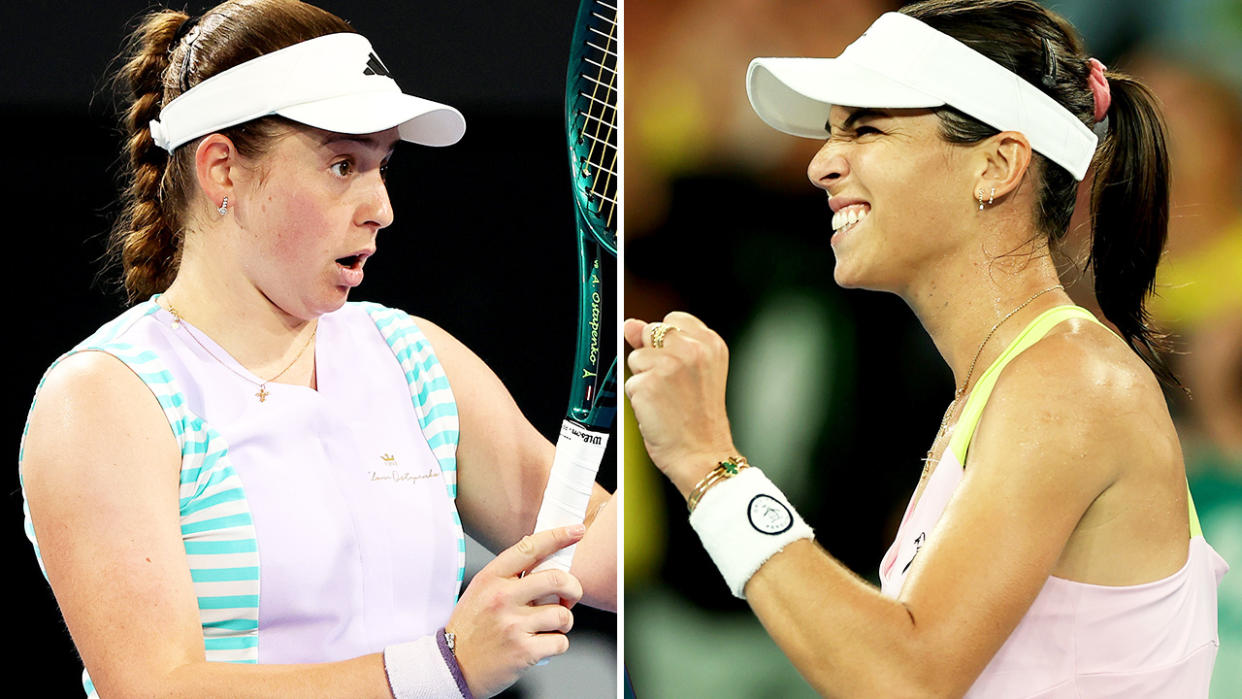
x: 742, y: 522
x: 424, y: 669
x: 578, y: 453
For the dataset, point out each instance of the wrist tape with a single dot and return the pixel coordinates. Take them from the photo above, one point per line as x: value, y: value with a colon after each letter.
x: 742, y: 522
x: 424, y: 669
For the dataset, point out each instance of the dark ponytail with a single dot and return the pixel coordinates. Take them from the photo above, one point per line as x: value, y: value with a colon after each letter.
x: 1130, y: 217
x: 164, y: 57
x: 1130, y: 197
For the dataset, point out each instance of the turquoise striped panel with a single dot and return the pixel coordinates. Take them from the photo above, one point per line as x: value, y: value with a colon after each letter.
x: 224, y: 575
x: 215, y: 523
x: 232, y: 625
x: 190, y: 475
x: 433, y: 402
x: 233, y: 643
x: 208, y: 548
x: 191, y: 505
x: 228, y: 602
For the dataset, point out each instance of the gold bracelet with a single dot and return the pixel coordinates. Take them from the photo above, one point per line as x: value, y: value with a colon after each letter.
x: 728, y: 468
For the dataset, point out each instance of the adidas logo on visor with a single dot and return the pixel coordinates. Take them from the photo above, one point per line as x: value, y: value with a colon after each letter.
x: 376, y: 67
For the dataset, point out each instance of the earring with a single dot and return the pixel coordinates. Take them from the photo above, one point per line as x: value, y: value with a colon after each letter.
x: 224, y: 206
x: 979, y: 195
x: 991, y: 196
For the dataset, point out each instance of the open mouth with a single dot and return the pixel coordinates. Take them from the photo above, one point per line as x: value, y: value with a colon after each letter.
x: 350, y: 262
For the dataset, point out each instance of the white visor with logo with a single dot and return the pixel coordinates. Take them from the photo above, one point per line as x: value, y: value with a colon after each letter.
x: 334, y: 82
x: 900, y: 62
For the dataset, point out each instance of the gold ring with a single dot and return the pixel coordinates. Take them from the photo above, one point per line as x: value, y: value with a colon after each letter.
x: 658, y: 331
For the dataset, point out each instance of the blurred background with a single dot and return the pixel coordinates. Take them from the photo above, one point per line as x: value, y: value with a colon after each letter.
x: 482, y: 243
x: 838, y: 393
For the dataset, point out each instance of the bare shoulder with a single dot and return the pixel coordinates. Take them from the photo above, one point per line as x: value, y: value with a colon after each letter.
x: 472, y: 380
x: 1088, y: 370
x: 441, y: 340
x: 1079, y: 396
x: 91, y: 407
x: 458, y: 360
x: 92, y: 384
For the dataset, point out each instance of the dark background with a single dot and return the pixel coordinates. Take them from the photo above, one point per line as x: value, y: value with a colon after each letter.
x: 482, y: 242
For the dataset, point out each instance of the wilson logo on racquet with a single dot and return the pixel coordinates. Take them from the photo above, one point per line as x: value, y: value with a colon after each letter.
x: 769, y: 515
x: 586, y: 437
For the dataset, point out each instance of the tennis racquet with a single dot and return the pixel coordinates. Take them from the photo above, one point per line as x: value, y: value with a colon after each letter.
x: 591, y: 127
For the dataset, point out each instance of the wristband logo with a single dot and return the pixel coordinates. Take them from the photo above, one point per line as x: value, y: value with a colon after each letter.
x: 769, y: 515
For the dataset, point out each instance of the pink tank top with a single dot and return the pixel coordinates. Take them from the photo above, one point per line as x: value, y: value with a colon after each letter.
x: 1155, y: 640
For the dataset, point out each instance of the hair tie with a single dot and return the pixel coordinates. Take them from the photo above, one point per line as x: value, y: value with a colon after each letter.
x: 1099, y: 89
x: 1049, y: 78
x: 189, y: 23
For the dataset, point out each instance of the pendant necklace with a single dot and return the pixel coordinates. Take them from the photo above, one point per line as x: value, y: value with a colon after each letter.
x: 263, y: 392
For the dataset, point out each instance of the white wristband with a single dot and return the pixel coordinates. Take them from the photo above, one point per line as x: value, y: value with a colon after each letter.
x: 424, y: 669
x: 743, y: 522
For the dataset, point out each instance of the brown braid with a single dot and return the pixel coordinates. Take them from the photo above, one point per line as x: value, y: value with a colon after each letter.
x: 147, y: 234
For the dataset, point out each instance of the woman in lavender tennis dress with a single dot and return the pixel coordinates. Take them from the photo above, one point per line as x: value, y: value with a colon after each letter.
x: 244, y: 485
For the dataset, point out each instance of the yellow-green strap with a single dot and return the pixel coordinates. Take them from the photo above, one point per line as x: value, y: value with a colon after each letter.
x: 1034, y: 332
x: 1195, y: 529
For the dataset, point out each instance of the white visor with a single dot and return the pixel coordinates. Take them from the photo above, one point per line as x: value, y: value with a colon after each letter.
x: 900, y: 62
x: 333, y: 82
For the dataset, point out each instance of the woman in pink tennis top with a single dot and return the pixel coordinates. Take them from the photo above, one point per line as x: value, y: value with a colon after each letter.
x: 1050, y: 548
x: 245, y: 485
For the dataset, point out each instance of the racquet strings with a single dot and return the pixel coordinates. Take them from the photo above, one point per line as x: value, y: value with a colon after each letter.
x: 599, y: 75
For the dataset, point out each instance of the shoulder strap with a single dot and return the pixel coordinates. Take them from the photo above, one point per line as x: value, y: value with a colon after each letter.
x: 1034, y: 332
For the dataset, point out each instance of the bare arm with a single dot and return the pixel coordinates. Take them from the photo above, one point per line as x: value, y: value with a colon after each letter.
x: 1035, y: 468
x: 101, y: 471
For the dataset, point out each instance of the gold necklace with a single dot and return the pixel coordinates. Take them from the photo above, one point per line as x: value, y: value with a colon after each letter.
x: 944, y: 422
x: 263, y: 392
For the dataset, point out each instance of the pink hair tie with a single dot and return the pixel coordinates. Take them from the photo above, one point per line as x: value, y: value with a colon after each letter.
x: 1099, y: 89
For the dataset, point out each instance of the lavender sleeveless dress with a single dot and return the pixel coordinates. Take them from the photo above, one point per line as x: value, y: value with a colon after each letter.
x: 319, y: 524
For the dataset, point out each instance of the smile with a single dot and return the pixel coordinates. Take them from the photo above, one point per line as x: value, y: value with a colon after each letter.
x: 849, y: 216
